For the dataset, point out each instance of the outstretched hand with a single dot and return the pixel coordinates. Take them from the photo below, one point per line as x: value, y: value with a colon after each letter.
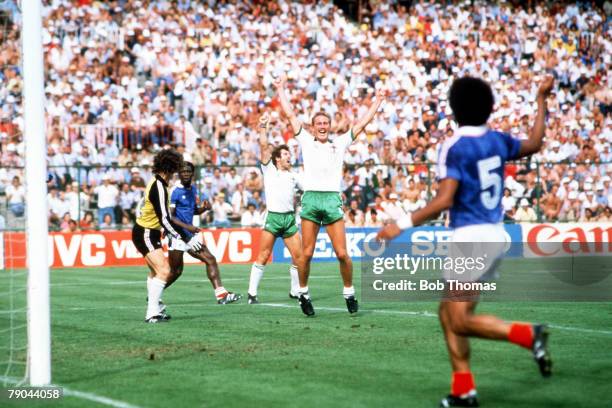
x: 279, y: 82
x: 263, y: 120
x: 546, y: 86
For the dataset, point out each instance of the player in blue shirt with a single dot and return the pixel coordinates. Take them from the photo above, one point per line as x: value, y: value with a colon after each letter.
x: 471, y: 166
x: 184, y: 204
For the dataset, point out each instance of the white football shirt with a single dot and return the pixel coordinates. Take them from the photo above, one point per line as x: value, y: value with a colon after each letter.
x: 323, y: 162
x: 280, y: 187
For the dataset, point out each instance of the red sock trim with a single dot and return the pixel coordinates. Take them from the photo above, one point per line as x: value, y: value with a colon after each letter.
x: 521, y: 334
x: 462, y: 383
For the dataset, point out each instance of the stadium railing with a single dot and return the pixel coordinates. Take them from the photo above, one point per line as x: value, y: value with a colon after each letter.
x: 82, y: 179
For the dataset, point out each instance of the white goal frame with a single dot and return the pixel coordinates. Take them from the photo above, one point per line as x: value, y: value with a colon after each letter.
x: 37, y: 229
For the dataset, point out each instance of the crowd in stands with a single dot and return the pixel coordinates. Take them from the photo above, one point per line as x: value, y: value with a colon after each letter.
x: 126, y: 78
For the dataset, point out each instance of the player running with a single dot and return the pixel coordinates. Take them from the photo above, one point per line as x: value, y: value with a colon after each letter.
x: 321, y: 202
x: 279, y: 184
x: 471, y: 169
x: 184, y: 203
x: 153, y: 215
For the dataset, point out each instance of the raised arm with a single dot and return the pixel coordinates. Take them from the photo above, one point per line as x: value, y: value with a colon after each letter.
x: 534, y: 143
x: 279, y: 83
x: 264, y: 155
x: 363, y: 122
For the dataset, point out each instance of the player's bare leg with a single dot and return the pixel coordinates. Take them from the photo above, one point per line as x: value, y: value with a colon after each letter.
x: 175, y: 259
x: 156, y: 284
x: 463, y: 389
x: 294, y: 246
x: 212, y: 271
x: 459, y: 322
x: 310, y: 230
x: 337, y: 235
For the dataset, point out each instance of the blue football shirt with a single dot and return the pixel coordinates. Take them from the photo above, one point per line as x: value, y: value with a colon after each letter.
x: 475, y: 156
x: 183, y: 200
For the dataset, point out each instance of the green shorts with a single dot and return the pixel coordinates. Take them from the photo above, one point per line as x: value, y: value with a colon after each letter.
x: 322, y: 207
x: 281, y: 225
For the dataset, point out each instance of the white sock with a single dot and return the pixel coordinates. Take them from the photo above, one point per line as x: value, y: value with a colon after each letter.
x: 348, y: 292
x: 256, y: 275
x: 295, y: 280
x: 304, y: 292
x: 155, y: 289
x: 149, y: 279
x: 220, y: 292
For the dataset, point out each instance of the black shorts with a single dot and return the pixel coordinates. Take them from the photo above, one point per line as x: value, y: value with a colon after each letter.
x: 146, y: 240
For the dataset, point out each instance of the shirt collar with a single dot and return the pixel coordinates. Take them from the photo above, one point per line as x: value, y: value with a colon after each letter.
x: 160, y: 178
x: 471, y: 131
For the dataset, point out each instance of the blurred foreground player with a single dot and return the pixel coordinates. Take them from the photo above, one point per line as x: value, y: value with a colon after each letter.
x: 153, y: 215
x: 184, y: 202
x: 471, y: 185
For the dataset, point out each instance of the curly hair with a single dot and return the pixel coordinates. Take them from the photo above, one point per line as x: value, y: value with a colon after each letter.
x: 471, y: 100
x: 167, y: 161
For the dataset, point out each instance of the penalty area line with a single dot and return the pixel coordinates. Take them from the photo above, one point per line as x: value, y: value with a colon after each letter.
x: 67, y: 392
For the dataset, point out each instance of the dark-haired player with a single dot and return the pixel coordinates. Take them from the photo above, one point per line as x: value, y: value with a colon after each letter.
x: 184, y: 204
x: 321, y: 202
x: 279, y: 186
x: 471, y: 168
x: 153, y: 215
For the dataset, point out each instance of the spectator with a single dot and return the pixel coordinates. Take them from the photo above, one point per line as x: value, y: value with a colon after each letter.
x: 351, y: 220
x: 107, y: 199
x: 15, y: 197
x: 508, y: 204
x: 524, y: 212
x: 551, y: 204
x: 251, y: 217
x: 107, y: 222
x: 221, y: 210
x: 87, y: 222
x: 371, y: 218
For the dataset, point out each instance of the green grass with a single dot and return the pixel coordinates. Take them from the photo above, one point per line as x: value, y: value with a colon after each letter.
x: 272, y: 356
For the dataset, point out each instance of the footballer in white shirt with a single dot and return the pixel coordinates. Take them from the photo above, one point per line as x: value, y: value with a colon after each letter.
x: 279, y: 185
x: 321, y: 202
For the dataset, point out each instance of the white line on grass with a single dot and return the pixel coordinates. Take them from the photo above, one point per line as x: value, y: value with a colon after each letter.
x: 428, y: 314
x: 142, y: 282
x: 329, y: 309
x: 80, y: 394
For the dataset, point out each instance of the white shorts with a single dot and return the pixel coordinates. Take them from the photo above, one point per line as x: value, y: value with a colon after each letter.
x: 177, y: 245
x: 475, y: 250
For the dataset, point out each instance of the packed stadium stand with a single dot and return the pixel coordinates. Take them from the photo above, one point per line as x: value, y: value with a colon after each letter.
x: 127, y: 78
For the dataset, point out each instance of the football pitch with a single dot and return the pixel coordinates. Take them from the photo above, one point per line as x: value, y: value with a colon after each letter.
x: 270, y: 355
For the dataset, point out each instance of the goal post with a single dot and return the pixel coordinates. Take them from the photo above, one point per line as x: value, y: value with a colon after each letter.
x: 37, y: 230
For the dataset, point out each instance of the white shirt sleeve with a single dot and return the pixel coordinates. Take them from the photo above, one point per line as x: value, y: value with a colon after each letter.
x: 303, y: 137
x: 345, y: 140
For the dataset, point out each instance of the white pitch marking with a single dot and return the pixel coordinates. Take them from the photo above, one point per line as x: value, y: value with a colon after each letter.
x: 429, y: 314
x: 80, y: 394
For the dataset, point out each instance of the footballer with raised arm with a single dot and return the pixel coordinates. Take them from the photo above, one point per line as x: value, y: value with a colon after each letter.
x: 153, y: 216
x: 280, y: 184
x: 184, y: 204
x: 471, y: 169
x: 321, y: 201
